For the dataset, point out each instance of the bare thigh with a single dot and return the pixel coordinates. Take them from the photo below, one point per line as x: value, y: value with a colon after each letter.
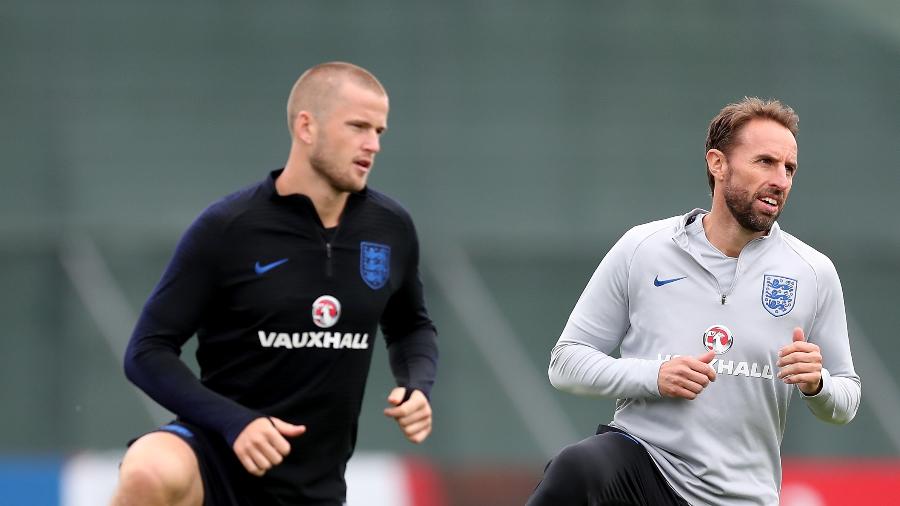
x: 159, y: 469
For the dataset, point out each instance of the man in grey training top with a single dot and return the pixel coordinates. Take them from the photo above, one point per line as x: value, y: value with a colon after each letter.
x: 719, y: 316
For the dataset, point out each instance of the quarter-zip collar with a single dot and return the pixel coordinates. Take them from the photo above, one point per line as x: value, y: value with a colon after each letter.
x: 748, y: 254
x: 303, y: 202
x: 681, y: 238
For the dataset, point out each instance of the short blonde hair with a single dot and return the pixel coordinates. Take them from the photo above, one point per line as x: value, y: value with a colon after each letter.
x: 316, y: 89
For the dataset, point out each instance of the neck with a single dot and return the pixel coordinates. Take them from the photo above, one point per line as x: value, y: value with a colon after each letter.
x: 299, y: 177
x: 724, y: 232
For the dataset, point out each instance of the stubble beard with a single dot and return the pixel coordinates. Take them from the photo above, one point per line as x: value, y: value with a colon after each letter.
x: 331, y: 173
x: 740, y: 204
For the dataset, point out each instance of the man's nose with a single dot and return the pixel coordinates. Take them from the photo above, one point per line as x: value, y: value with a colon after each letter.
x: 372, y: 143
x: 781, y: 178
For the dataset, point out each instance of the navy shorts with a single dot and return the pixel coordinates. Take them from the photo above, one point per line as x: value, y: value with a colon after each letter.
x: 225, y: 481
x: 608, y: 469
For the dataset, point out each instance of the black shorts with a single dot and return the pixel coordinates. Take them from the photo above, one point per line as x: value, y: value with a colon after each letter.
x: 608, y: 469
x: 225, y: 481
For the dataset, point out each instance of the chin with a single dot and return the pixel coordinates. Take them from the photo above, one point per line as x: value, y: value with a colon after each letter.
x: 763, y: 224
x: 354, y: 187
x: 348, y: 185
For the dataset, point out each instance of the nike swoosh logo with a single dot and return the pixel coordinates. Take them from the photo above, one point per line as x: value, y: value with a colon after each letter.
x: 661, y: 282
x: 262, y: 269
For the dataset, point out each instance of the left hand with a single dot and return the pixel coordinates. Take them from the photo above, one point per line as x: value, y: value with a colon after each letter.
x: 413, y: 416
x: 800, y: 363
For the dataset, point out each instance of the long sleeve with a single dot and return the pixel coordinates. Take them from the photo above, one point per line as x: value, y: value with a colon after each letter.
x: 409, y: 332
x: 169, y: 318
x: 839, y: 399
x: 581, y: 361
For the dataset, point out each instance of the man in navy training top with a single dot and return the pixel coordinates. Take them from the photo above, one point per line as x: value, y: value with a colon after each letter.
x: 284, y: 283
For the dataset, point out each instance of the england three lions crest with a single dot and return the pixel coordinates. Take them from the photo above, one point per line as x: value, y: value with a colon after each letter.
x: 374, y: 263
x: 778, y: 294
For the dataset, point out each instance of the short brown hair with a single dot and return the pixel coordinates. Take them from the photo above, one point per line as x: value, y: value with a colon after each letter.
x: 724, y: 128
x: 316, y: 88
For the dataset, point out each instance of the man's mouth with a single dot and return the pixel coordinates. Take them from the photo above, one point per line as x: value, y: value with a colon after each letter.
x: 771, y: 204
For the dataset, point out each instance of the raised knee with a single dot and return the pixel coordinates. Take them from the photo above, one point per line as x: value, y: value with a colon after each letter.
x: 159, y: 472
x: 141, y: 481
x: 152, y: 484
x: 568, y: 467
x: 575, y: 455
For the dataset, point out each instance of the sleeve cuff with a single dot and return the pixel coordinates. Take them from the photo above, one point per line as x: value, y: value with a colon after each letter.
x: 825, y: 393
x: 651, y: 377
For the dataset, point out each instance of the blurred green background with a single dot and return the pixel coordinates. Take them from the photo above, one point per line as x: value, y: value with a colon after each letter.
x: 525, y: 138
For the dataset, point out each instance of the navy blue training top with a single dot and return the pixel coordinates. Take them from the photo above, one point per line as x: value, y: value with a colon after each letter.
x: 285, y: 315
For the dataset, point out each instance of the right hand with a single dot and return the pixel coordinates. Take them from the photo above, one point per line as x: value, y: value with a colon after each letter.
x: 686, y: 377
x: 262, y: 444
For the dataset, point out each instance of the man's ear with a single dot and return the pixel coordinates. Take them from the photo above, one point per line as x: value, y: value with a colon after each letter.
x: 717, y: 164
x: 304, y: 127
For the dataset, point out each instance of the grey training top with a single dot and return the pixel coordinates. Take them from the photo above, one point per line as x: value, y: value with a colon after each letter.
x: 654, y: 297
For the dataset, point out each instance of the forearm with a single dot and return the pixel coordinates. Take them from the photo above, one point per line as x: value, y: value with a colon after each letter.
x: 581, y: 369
x: 414, y: 359
x: 156, y: 369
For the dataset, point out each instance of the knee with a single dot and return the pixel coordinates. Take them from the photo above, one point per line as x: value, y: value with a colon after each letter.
x: 570, y: 465
x: 581, y: 462
x: 146, y: 482
x: 565, y: 479
x: 575, y: 456
x: 158, y: 472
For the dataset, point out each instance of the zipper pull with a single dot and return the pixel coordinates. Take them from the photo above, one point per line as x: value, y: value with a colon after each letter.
x: 723, y: 299
x: 328, y: 259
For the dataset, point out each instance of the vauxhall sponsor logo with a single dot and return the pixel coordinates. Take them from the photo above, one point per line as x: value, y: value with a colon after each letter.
x: 733, y: 368
x: 326, y: 311
x: 718, y: 338
x: 332, y: 340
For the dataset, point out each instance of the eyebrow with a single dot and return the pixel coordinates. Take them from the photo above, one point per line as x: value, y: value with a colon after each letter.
x: 365, y: 123
x: 768, y: 156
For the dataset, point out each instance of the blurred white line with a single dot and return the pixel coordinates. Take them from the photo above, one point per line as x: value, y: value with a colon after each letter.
x: 880, y: 391
x: 373, y: 479
x: 525, y: 384
x: 89, y: 478
x: 105, y: 302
